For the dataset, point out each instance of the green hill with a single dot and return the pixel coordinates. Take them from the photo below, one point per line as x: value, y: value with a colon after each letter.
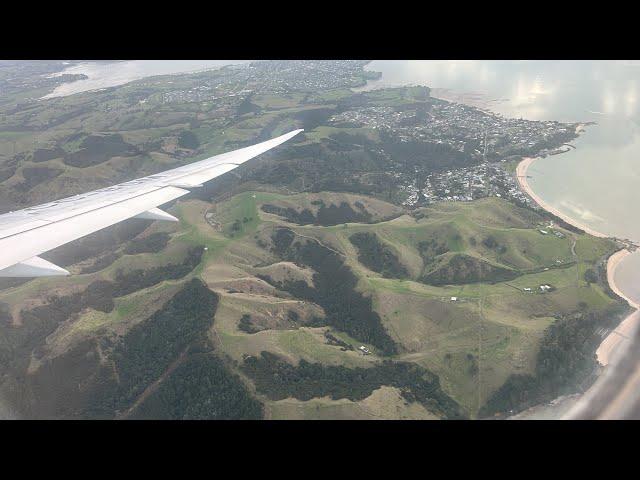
x: 442, y: 288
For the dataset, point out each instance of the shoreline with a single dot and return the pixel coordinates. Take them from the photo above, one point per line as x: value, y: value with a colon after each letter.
x: 521, y: 174
x: 611, y: 343
x: 626, y: 327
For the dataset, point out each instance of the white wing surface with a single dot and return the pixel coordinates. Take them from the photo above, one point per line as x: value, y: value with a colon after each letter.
x: 27, y: 233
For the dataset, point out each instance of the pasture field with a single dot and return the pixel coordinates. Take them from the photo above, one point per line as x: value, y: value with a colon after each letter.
x: 473, y: 343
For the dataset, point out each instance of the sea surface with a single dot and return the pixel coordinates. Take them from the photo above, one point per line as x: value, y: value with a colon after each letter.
x: 598, y: 183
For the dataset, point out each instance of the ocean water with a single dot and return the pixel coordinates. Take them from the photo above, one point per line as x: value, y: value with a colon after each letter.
x: 598, y: 183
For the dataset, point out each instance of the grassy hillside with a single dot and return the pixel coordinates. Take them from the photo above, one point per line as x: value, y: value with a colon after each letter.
x: 303, y: 258
x: 491, y: 330
x: 494, y: 326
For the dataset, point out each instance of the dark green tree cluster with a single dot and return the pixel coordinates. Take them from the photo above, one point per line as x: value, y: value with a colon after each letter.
x: 461, y: 269
x: 590, y: 276
x: 201, y: 388
x: 566, y: 360
x: 334, y: 290
x: 376, y: 256
x: 188, y: 139
x: 147, y: 349
x: 96, y: 149
x: 278, y: 379
x: 492, y: 244
x: 129, y: 282
x: 36, y: 175
x: 246, y: 325
x: 150, y: 244
x: 326, y: 216
x: 430, y: 249
x: 102, y: 262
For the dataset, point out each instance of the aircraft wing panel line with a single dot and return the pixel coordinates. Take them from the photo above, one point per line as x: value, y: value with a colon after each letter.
x: 27, y: 233
x: 186, y: 176
x: 85, y: 212
x: 18, y: 248
x: 34, y: 267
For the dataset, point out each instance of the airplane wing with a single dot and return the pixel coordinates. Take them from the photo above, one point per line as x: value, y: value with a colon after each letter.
x: 27, y: 233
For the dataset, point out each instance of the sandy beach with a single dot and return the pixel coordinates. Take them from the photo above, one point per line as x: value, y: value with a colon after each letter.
x: 622, y: 333
x: 612, y: 264
x: 521, y: 173
x: 617, y: 338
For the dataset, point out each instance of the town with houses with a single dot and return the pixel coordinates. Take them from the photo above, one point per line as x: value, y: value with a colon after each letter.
x: 275, y: 77
x: 487, y: 139
x: 480, y: 134
x: 465, y: 185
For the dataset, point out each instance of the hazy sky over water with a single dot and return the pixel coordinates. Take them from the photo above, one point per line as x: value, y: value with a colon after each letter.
x: 103, y: 75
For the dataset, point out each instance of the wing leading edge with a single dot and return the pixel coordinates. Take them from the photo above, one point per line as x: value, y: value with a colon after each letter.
x: 27, y: 233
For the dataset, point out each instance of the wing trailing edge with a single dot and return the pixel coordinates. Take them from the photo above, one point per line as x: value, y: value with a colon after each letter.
x: 34, y: 267
x: 157, y: 214
x: 27, y: 233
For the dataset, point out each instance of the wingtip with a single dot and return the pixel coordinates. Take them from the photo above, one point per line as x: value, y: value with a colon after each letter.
x: 288, y: 135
